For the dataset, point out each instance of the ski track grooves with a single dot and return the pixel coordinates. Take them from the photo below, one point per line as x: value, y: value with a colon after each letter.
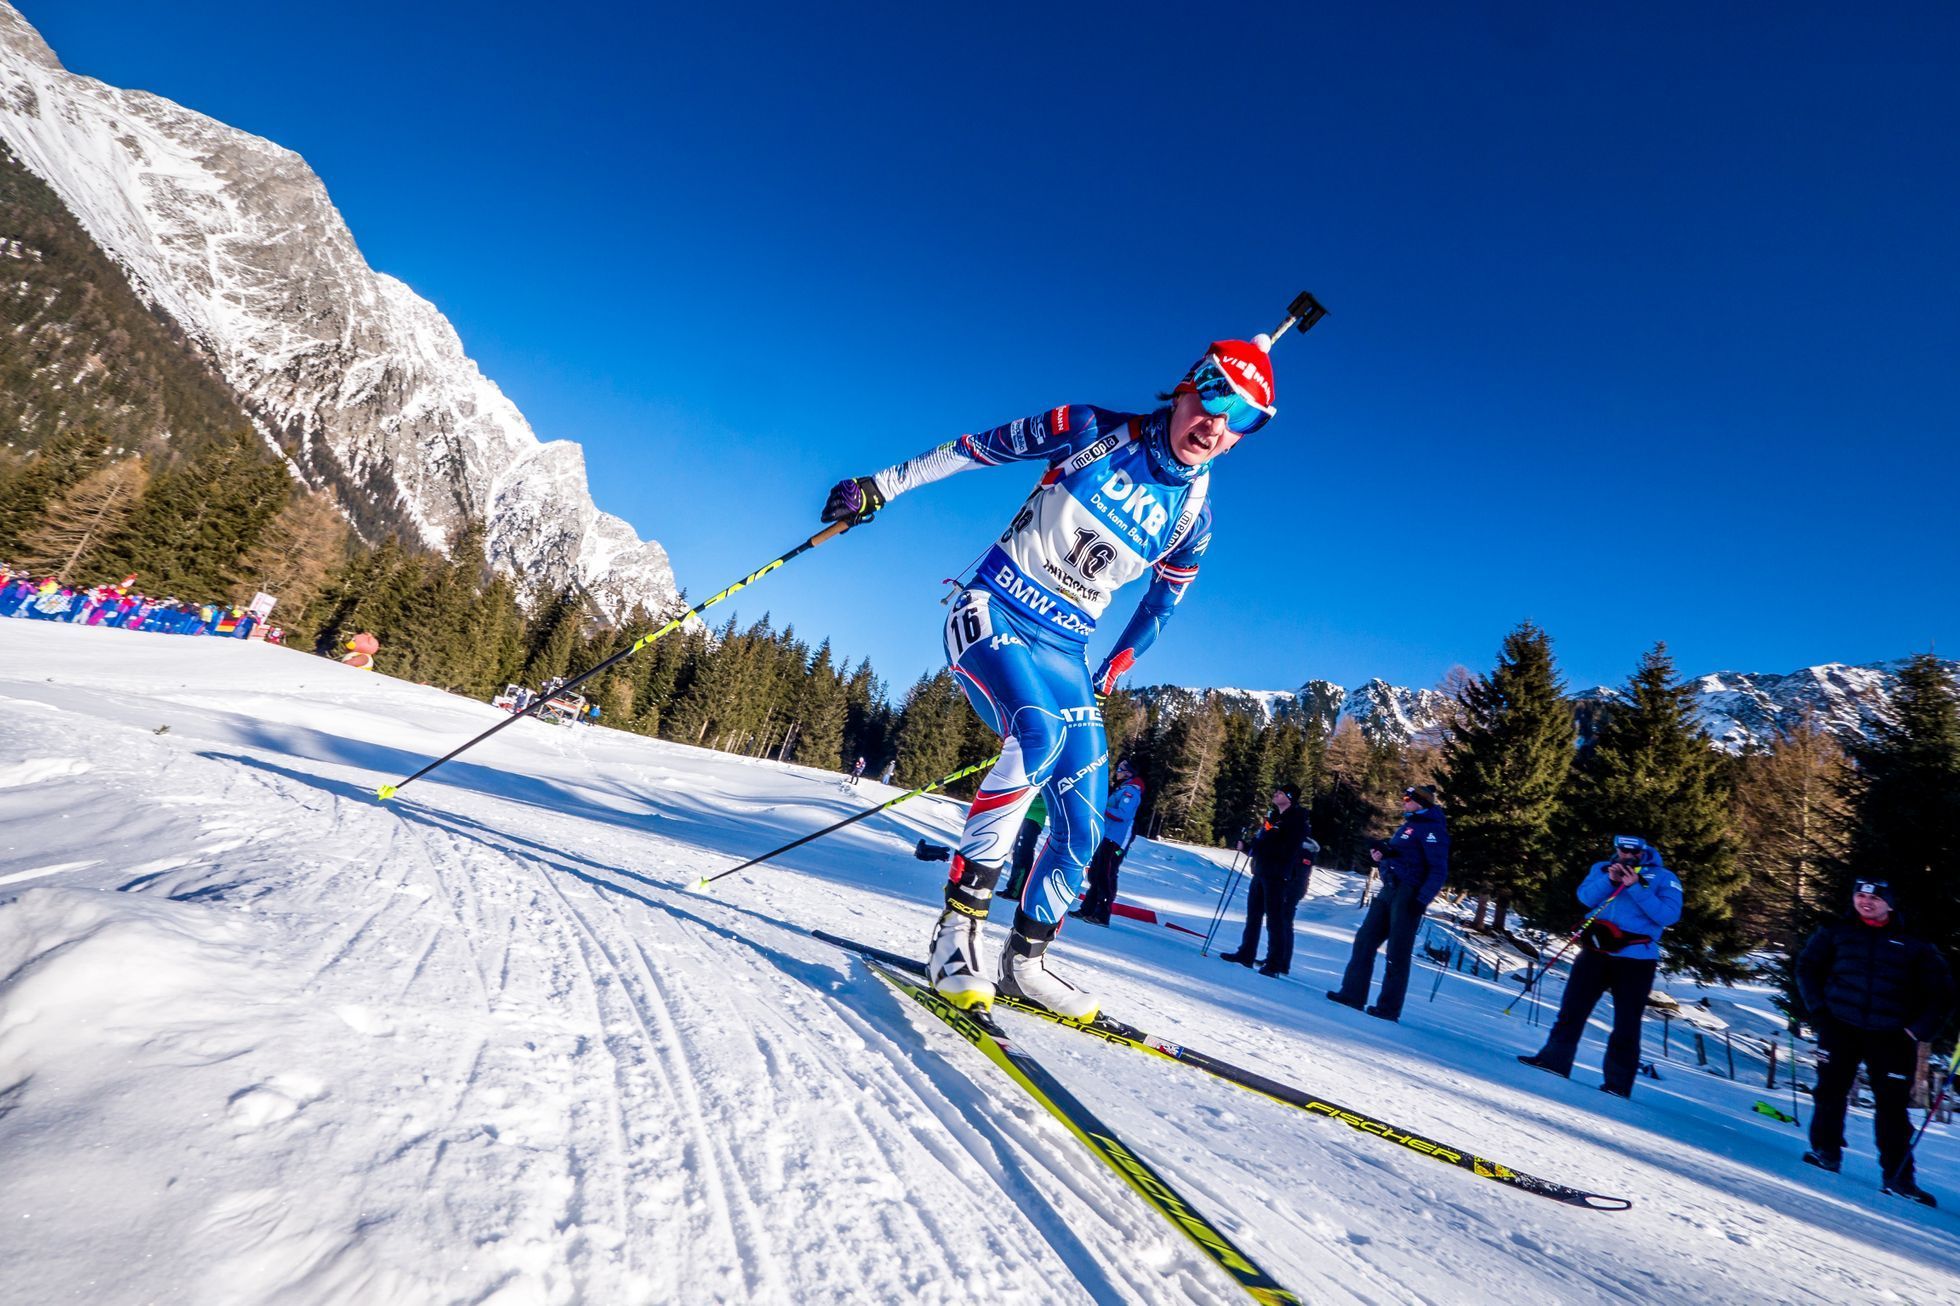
x: 735, y: 1211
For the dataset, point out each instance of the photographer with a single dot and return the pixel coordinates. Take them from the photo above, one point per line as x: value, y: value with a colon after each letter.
x: 1873, y: 992
x: 1282, y: 858
x: 1633, y: 899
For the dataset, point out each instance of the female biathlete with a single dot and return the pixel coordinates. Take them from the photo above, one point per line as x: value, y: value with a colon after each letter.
x: 1123, y: 494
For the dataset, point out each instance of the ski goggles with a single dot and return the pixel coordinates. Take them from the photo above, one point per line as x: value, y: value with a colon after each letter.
x: 1877, y: 888
x: 1626, y: 843
x: 1223, y: 397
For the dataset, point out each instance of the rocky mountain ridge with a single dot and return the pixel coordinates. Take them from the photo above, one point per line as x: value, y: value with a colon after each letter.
x: 358, y: 381
x: 1738, y: 710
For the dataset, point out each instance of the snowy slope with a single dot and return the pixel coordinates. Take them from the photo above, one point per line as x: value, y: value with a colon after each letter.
x: 235, y: 239
x: 263, y: 1039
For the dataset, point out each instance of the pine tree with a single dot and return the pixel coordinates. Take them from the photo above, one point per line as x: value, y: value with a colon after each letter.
x: 1245, y: 779
x: 27, y: 488
x: 1791, y: 821
x: 1652, y: 771
x: 1194, y: 745
x: 821, y: 711
x: 194, y: 522
x: 72, y: 528
x: 1904, y: 797
x: 1342, y: 813
x: 555, y: 634
x: 931, y: 730
x: 1504, y: 769
x: 293, y: 559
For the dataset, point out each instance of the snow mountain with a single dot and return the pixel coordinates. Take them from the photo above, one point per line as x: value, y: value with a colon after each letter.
x: 1384, y: 713
x: 361, y: 383
x: 1738, y: 710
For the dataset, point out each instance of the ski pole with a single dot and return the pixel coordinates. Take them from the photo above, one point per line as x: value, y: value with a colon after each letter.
x: 701, y: 885
x: 1952, y: 1065
x: 1531, y: 982
x: 831, y: 532
x: 1224, y: 900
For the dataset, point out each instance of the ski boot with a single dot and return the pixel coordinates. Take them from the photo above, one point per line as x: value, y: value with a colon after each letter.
x: 1024, y: 972
x: 1537, y: 1060
x: 953, y: 963
x: 1906, y: 1186
x: 1828, y: 1158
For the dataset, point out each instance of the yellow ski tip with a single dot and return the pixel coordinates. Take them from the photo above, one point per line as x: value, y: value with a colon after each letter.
x: 385, y: 792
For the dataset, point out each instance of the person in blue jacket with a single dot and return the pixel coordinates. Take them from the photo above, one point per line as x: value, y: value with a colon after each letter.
x: 1121, y: 496
x: 1415, y: 866
x: 1119, y: 816
x: 1632, y: 899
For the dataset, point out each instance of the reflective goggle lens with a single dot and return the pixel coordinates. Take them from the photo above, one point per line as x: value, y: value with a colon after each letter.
x: 1873, y: 886
x: 1221, y: 398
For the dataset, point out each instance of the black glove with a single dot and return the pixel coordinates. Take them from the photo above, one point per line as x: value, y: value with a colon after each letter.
x: 856, y: 501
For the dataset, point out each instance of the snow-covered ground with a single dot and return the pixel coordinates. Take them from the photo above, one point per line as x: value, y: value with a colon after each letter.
x: 266, y: 1039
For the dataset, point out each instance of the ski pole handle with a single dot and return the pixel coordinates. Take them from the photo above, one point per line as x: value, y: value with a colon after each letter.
x: 1304, y: 311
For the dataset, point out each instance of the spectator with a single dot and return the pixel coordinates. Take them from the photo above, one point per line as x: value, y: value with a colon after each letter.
x: 885, y: 776
x: 1282, y: 858
x: 1633, y: 899
x: 1119, y: 817
x: 1415, y: 867
x: 1873, y: 992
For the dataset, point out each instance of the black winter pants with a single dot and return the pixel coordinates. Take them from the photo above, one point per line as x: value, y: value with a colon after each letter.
x: 1889, y: 1057
x: 1271, y: 901
x: 1393, y: 917
x: 1026, y: 844
x: 1102, y: 881
x: 1595, y: 973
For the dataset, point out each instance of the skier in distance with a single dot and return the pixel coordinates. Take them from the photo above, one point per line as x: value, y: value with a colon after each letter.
x: 1123, y: 494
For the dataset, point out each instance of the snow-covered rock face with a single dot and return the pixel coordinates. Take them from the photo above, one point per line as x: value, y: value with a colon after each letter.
x: 1384, y: 712
x: 1738, y: 711
x: 1741, y: 711
x: 361, y: 380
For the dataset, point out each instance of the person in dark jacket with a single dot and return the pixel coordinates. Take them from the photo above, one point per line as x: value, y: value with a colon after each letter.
x: 1119, y: 818
x: 1414, y: 870
x: 1282, y: 858
x: 1027, y: 844
x: 1873, y: 992
x: 1632, y: 899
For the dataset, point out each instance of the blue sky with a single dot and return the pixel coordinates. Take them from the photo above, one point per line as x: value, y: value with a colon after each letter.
x: 1641, y: 323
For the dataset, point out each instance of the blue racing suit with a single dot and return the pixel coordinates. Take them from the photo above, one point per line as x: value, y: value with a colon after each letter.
x: 1112, y: 505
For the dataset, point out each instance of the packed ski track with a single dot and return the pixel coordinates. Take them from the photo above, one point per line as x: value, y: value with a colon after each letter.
x: 266, y: 1039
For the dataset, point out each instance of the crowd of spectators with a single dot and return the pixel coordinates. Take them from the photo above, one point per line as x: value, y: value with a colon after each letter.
x: 45, y: 598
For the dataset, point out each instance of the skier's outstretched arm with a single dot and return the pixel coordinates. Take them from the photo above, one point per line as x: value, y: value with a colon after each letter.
x: 1045, y: 437
x: 1175, y: 572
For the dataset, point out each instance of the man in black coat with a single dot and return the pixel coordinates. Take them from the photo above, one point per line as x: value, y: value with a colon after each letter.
x: 1873, y: 992
x: 1414, y: 870
x: 1281, y: 862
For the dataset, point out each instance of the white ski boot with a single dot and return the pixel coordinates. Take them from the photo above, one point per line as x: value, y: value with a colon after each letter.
x: 1024, y: 972
x: 953, y: 965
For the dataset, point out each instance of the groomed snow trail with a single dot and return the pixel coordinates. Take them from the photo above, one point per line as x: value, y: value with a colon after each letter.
x: 265, y: 1039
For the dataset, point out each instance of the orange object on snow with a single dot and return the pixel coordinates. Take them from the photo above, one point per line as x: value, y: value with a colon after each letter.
x: 361, y: 650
